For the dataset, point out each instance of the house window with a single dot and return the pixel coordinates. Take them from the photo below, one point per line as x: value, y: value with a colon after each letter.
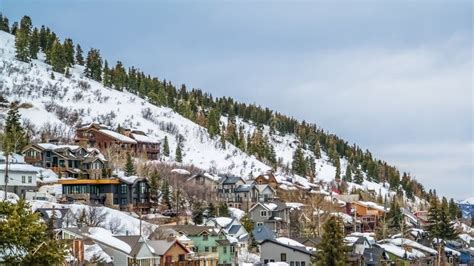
x: 205, y: 237
x: 30, y: 179
x: 123, y: 189
x: 115, y: 201
x: 283, y: 256
x: 206, y: 249
x: 292, y: 263
x: 181, y: 257
x: 297, y: 263
x: 23, y: 179
x: 224, y: 249
x: 214, y: 249
x: 303, y: 263
x: 123, y: 201
x: 259, y: 224
x: 263, y: 213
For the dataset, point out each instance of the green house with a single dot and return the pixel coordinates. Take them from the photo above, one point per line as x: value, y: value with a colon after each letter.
x: 208, y: 243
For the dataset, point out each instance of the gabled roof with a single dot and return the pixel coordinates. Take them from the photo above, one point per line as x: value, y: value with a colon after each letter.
x: 294, y: 248
x: 234, y: 229
x: 261, y: 233
x: 373, y: 254
x: 160, y: 247
x: 228, y: 180
x: 191, y: 230
x: 244, y: 188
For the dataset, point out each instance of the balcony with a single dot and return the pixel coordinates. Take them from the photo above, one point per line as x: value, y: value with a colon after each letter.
x: 33, y: 159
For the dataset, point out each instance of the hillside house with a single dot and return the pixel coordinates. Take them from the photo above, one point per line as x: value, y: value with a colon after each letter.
x: 267, y: 179
x: 275, y: 251
x: 369, y: 213
x: 70, y: 161
x: 209, y: 182
x: 209, y: 244
x: 21, y: 177
x: 146, y: 145
x: 274, y: 215
x: 98, y: 136
x: 132, y: 193
x: 131, y: 249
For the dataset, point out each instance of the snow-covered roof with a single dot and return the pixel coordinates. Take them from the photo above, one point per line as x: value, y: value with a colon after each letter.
x: 405, y: 241
x: 180, y: 171
x: 294, y: 205
x: 20, y: 167
x: 271, y: 206
x: 289, y: 242
x: 96, y: 252
x: 117, y: 136
x: 106, y: 237
x: 396, y: 250
x: 143, y: 138
x: 371, y: 204
x: 13, y: 158
x: 223, y: 221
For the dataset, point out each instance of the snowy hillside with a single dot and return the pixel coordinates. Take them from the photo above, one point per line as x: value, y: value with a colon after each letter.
x: 60, y: 104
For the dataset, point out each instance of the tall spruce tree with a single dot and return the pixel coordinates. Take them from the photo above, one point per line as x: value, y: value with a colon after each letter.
x: 129, y: 167
x: 197, y: 212
x: 34, y: 46
x: 166, y: 147
x: 298, y: 165
x: 79, y: 56
x: 179, y: 153
x: 68, y: 47
x: 394, y: 216
x: 331, y: 250
x: 4, y: 24
x: 14, y: 132
x: 348, y: 175
x: 166, y: 194
x: 317, y: 150
x: 24, y: 237
x: 439, y: 227
x: 93, y: 67
x: 358, y: 177
x: 57, y: 58
x: 22, y: 40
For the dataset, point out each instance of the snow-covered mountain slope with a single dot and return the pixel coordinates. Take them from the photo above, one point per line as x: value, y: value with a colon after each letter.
x: 60, y: 104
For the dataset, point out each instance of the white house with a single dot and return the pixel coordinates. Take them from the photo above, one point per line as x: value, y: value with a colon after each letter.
x: 21, y: 176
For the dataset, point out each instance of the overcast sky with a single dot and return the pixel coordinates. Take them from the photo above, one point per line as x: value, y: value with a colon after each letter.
x: 392, y: 76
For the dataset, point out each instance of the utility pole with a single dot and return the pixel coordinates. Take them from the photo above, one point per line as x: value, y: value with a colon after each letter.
x: 6, y: 175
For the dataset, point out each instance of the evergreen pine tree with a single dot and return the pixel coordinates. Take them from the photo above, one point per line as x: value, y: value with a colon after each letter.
x: 23, y: 232
x: 34, y: 46
x: 68, y: 47
x: 79, y: 56
x: 439, y: 226
x: 22, y: 40
x: 106, y: 76
x: 52, y: 75
x: 178, y: 154
x: 223, y: 209
x: 338, y: 169
x: 211, y: 210
x: 93, y: 67
x: 348, y: 175
x: 14, y: 28
x: 247, y: 223
x: 358, y: 177
x: 394, y: 216
x: 213, y: 122
x: 197, y: 213
x: 317, y: 150
x: 14, y: 131
x: 56, y: 57
x: 166, y: 147
x: 453, y: 209
x: 222, y: 140
x: 331, y: 250
x: 166, y: 195
x: 154, y: 186
x: 4, y: 24
x: 129, y: 167
x: 299, y: 163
